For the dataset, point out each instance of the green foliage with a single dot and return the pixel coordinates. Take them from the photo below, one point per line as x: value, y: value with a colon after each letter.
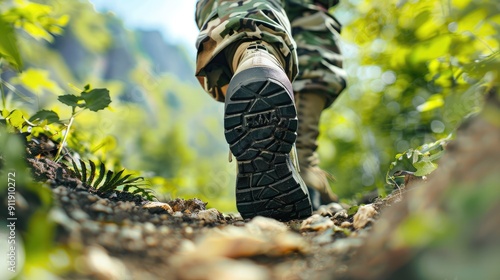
x: 421, y: 160
x: 416, y: 69
x: 104, y: 180
x: 8, y: 45
x: 92, y: 99
x: 37, y: 20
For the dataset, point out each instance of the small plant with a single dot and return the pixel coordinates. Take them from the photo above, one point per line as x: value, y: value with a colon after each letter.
x: 104, y: 180
x: 91, y: 99
x: 420, y: 161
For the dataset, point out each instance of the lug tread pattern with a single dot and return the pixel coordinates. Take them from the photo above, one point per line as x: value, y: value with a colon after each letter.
x: 260, y: 124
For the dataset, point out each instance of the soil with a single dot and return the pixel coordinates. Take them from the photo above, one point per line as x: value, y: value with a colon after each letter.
x: 119, y: 235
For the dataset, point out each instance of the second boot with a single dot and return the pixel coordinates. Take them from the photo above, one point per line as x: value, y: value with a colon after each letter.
x: 309, y: 108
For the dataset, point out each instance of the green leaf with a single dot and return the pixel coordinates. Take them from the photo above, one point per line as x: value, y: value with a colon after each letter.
x: 352, y: 210
x: 70, y: 100
x: 84, y: 171
x: 48, y: 115
x: 8, y: 45
x: 92, y: 173
x: 424, y: 168
x: 102, y: 171
x: 96, y: 99
x: 77, y: 171
x: 435, y: 101
x: 15, y: 118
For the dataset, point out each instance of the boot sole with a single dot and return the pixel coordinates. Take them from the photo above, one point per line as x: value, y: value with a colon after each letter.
x: 260, y: 122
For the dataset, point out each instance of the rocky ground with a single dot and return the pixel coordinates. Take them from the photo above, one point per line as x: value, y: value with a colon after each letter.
x: 442, y: 228
x: 123, y: 236
x: 120, y: 235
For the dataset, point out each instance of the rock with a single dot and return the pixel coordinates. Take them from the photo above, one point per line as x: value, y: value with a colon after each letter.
x: 79, y: 215
x: 91, y: 226
x: 342, y: 246
x: 158, y: 207
x: 221, y: 269
x: 130, y: 233
x: 316, y: 223
x: 60, y: 217
x: 101, y: 266
x: 178, y: 214
x: 61, y: 190
x: 190, y: 205
x: 211, y: 215
x: 149, y: 227
x: 100, y: 207
x: 341, y: 214
x: 261, y: 236
x: 364, y: 215
x: 110, y: 228
x: 329, y: 210
x: 346, y: 225
x: 262, y: 225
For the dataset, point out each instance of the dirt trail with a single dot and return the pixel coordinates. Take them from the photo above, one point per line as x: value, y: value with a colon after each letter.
x: 428, y: 231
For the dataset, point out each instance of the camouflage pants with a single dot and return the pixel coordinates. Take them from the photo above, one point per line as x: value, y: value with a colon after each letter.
x: 302, y: 30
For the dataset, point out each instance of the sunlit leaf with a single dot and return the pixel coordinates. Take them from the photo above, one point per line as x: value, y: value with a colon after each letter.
x: 424, y: 168
x: 96, y: 99
x: 435, y: 101
x: 16, y: 119
x: 37, y: 80
x: 8, y: 45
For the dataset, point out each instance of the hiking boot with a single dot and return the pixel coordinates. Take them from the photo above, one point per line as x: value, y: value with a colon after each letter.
x: 309, y: 107
x: 260, y: 123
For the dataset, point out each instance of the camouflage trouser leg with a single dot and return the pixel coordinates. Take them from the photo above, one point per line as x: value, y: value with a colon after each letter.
x: 312, y: 36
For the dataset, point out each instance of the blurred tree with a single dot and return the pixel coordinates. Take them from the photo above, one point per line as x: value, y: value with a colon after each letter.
x: 416, y: 69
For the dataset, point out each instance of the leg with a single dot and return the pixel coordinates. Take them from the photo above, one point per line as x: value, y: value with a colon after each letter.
x: 224, y: 24
x: 246, y: 58
x: 320, y: 81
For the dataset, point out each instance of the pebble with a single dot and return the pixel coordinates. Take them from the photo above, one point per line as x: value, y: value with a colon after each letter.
x: 341, y: 214
x: 248, y: 241
x: 91, y: 226
x: 163, y: 217
x: 125, y: 205
x: 130, y: 233
x: 149, y: 227
x: 60, y: 217
x: 155, y: 219
x: 211, y: 215
x: 151, y: 241
x: 260, y: 224
x: 221, y: 268
x: 158, y: 207
x: 316, y: 223
x: 342, y: 246
x: 102, y: 266
x: 346, y: 225
x: 110, y: 228
x: 100, y: 207
x: 79, y: 215
x: 177, y: 214
x: 164, y: 230
x: 330, y: 209
x: 364, y: 215
x: 92, y: 198
x: 60, y: 190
